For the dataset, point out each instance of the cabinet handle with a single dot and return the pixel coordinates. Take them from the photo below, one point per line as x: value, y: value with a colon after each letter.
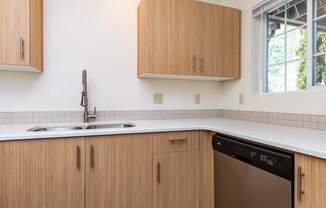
x: 92, y: 162
x: 22, y: 48
x: 194, y: 63
x: 201, y: 64
x: 300, y: 192
x: 78, y: 157
x: 158, y: 169
x: 178, y: 140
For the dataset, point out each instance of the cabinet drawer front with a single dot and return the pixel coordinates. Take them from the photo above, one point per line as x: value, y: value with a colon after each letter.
x: 176, y: 141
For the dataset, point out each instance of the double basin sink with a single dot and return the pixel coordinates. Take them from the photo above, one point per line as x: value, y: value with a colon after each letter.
x: 81, y: 127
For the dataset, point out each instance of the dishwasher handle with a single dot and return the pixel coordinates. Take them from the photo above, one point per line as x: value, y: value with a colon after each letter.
x: 241, y: 158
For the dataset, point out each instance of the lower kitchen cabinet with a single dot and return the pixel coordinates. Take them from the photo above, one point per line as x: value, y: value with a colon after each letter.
x: 183, y: 170
x: 42, y: 173
x: 119, y: 171
x: 206, y: 167
x: 163, y: 170
x: 310, y: 178
x: 176, y: 181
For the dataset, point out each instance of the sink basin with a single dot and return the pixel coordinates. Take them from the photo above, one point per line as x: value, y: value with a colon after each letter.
x: 80, y: 127
x: 111, y: 126
x: 55, y: 128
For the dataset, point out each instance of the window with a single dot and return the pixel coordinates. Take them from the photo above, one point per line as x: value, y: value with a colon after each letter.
x: 293, y: 44
x: 319, y: 45
x: 286, y: 47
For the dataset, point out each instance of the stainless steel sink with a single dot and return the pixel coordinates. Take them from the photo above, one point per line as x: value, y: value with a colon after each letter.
x: 81, y: 127
x: 55, y: 128
x: 111, y: 126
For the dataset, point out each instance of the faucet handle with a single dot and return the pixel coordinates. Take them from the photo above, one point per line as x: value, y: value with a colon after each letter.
x: 94, y: 111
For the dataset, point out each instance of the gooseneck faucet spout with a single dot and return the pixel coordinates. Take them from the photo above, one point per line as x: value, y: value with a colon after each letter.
x: 84, y: 101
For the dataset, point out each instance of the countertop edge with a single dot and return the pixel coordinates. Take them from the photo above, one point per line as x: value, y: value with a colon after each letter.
x: 138, y: 130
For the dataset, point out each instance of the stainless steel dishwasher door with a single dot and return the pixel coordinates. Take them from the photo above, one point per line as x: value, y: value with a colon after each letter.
x: 240, y: 185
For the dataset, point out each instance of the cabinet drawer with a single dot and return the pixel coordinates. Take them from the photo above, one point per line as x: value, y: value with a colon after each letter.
x: 176, y: 141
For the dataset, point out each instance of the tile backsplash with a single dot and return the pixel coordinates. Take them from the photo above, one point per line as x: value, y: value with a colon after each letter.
x: 40, y: 117
x: 77, y: 116
x: 282, y: 119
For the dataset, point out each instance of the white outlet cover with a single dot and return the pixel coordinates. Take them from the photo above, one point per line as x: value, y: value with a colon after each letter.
x: 241, y: 99
x: 197, y: 99
x: 158, y: 98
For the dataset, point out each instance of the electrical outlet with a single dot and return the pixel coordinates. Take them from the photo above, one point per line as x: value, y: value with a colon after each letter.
x: 158, y: 98
x: 241, y: 99
x: 197, y: 99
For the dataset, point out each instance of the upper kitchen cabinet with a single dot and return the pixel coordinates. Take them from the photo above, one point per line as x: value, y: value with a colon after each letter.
x: 167, y: 37
x: 21, y: 35
x: 218, y: 30
x: 187, y: 39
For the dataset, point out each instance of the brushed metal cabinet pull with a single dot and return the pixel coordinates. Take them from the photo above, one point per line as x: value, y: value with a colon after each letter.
x: 178, y: 140
x: 92, y: 160
x: 194, y: 63
x: 300, y: 192
x: 78, y: 157
x: 22, y: 48
x: 201, y: 64
x: 158, y: 169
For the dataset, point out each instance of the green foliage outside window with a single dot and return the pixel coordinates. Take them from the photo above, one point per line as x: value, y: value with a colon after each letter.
x: 320, y: 74
x: 301, y: 81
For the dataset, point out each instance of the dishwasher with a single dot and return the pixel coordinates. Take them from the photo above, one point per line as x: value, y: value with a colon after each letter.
x: 248, y: 175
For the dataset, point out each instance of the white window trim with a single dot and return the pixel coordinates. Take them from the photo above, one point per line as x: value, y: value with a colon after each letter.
x: 309, y: 63
x: 310, y: 54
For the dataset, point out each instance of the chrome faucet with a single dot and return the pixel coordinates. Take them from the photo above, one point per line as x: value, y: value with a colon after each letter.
x: 84, y: 101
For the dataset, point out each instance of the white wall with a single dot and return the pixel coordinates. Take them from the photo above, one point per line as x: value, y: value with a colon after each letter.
x: 101, y: 36
x: 311, y: 102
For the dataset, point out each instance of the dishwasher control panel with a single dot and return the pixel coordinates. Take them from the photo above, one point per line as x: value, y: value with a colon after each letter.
x: 274, y: 161
x: 264, y: 159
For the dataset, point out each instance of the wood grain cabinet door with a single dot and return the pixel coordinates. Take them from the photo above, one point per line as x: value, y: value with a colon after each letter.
x: 218, y: 33
x: 14, y: 32
x: 21, y: 35
x: 310, y: 182
x: 167, y: 37
x: 42, y: 174
x: 176, y: 180
x: 119, y: 172
x: 206, y: 176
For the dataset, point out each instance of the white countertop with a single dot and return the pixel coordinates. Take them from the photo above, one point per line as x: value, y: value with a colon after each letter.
x: 305, y: 141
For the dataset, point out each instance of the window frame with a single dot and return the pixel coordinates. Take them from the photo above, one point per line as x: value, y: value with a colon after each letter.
x: 314, y: 21
x: 310, y: 66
